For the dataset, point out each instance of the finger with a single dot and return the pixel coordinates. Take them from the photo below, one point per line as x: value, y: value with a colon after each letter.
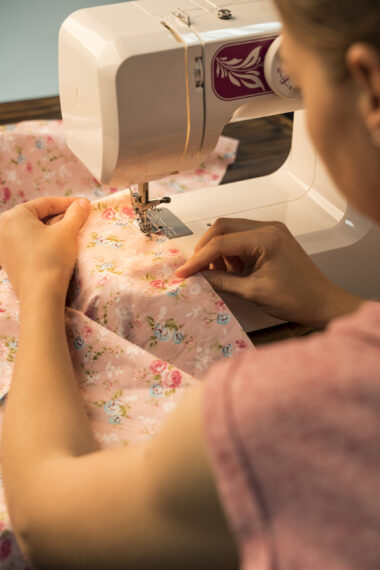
x: 234, y: 264
x: 229, y: 283
x: 53, y: 220
x: 219, y: 264
x: 221, y: 246
x: 224, y: 226
x: 76, y: 215
x: 49, y: 205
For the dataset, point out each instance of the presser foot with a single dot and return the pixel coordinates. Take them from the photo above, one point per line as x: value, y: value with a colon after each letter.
x: 142, y: 209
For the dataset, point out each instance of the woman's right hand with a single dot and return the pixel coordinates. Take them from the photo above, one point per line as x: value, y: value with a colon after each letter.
x: 263, y: 262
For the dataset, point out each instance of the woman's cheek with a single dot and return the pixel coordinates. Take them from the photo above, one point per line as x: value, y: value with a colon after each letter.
x: 324, y: 128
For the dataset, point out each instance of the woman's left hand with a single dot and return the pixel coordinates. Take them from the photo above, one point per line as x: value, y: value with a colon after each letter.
x: 31, y: 250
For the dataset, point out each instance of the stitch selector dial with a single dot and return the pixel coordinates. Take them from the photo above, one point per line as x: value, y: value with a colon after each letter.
x: 277, y: 79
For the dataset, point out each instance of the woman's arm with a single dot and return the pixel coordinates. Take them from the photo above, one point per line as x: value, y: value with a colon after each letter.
x: 151, y: 505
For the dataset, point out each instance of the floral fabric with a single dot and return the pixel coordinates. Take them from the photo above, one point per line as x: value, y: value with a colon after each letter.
x: 139, y: 337
x: 35, y: 161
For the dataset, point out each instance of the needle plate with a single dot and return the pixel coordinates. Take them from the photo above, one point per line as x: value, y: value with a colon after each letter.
x: 163, y: 220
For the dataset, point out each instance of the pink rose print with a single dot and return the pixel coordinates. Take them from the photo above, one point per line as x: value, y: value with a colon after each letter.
x: 21, y: 194
x: 5, y: 548
x: 29, y: 167
x: 199, y: 171
x: 158, y: 366
x: 173, y: 379
x: 157, y: 283
x: 108, y: 214
x: 215, y: 177
x: 220, y: 304
x: 113, y: 190
x: 2, y: 310
x: 6, y: 193
x: 49, y: 139
x: 241, y: 344
x: 102, y: 281
x: 173, y: 251
x: 87, y: 332
x: 127, y: 211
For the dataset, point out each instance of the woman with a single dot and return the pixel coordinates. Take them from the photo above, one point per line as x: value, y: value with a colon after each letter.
x: 275, y: 461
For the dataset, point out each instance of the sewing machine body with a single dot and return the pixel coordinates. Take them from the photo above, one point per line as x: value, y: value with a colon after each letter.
x: 146, y: 89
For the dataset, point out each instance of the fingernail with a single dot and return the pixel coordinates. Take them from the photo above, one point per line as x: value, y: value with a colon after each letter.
x: 83, y: 203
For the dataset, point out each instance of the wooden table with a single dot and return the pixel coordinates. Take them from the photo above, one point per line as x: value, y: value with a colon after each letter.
x: 264, y: 145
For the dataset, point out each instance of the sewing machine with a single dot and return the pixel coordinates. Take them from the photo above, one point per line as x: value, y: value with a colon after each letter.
x: 146, y: 88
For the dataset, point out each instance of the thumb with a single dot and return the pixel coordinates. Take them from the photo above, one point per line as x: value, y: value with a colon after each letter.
x: 77, y: 214
x: 229, y: 283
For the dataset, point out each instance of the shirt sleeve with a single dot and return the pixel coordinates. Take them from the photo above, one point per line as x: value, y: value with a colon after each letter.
x: 293, y: 434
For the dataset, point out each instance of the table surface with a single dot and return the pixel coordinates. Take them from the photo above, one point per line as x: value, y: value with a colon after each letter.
x: 264, y: 145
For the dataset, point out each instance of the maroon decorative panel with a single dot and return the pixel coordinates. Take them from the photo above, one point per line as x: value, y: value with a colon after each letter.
x: 238, y: 69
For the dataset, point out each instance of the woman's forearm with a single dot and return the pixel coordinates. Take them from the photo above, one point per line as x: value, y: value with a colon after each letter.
x: 44, y: 415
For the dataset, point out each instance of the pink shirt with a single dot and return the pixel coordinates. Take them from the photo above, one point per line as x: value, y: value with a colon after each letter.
x: 293, y: 432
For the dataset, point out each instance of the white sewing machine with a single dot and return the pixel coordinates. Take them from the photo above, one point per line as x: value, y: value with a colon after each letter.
x: 146, y: 88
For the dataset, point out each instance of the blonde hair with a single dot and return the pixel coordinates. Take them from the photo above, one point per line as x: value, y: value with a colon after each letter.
x: 332, y: 26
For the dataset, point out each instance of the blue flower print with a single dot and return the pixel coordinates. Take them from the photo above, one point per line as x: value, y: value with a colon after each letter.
x: 21, y: 158
x: 173, y: 292
x: 177, y: 337
x: 13, y: 344
x: 223, y: 318
x: 9, y: 127
x: 161, y: 332
x: 111, y: 407
x: 79, y: 343
x: 99, y: 192
x: 227, y: 350
x: 40, y: 144
x: 114, y: 419
x: 156, y: 390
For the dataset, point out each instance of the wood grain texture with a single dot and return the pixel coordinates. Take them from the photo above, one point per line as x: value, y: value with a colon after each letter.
x: 46, y: 108
x: 264, y: 145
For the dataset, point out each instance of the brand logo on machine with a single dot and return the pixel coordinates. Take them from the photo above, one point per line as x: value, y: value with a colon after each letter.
x: 238, y: 69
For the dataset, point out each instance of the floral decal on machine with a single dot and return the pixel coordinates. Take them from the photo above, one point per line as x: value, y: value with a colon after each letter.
x: 237, y: 69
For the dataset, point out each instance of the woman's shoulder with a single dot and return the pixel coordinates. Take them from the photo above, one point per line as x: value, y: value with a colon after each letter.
x: 293, y: 435
x: 302, y: 375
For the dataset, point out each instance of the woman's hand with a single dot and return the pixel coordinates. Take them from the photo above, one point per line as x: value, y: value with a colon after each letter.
x: 262, y: 262
x: 32, y: 250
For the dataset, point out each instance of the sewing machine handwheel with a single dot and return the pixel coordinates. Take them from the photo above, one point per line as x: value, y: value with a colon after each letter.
x: 165, y: 200
x: 276, y: 77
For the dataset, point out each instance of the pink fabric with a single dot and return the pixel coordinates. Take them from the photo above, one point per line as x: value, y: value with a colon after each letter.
x: 35, y: 161
x: 139, y: 337
x: 293, y: 432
